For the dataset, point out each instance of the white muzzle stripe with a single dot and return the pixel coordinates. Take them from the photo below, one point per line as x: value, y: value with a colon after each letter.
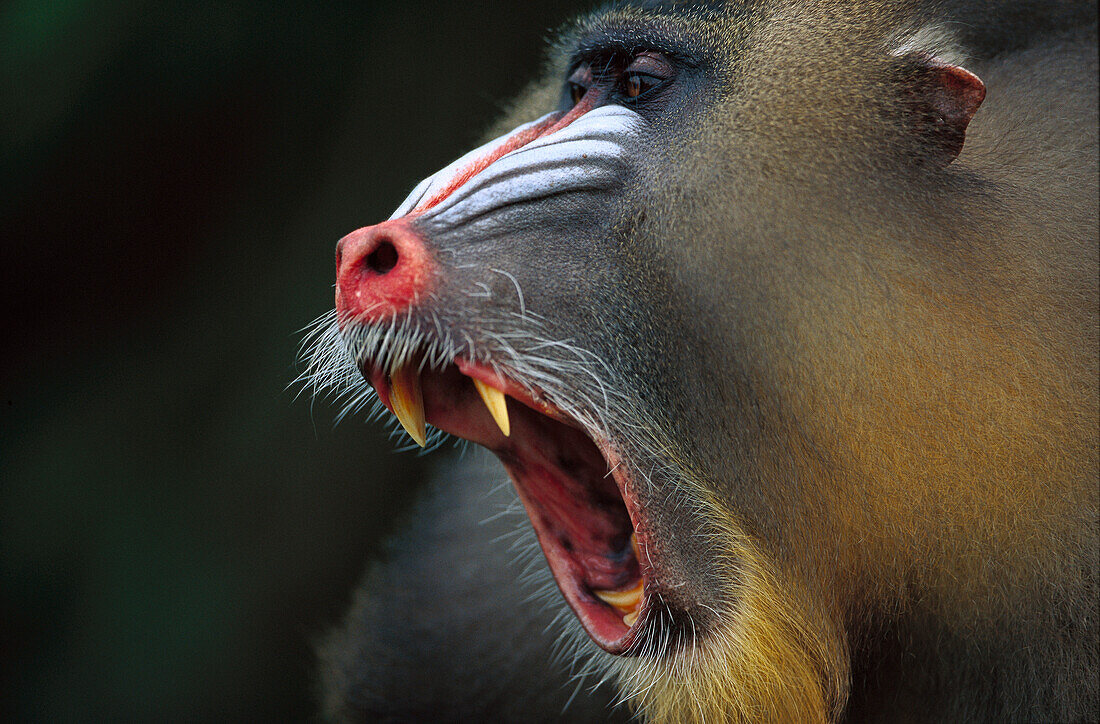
x: 590, y: 153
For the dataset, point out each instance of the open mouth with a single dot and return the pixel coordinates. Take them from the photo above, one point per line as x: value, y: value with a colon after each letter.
x: 575, y: 488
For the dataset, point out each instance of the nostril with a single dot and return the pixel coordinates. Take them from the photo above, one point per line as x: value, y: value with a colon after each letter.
x: 383, y: 258
x: 382, y: 269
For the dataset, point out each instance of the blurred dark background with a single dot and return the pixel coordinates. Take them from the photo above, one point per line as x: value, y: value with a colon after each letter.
x: 176, y: 528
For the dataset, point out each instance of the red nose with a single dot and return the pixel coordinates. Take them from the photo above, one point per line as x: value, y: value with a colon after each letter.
x: 380, y: 270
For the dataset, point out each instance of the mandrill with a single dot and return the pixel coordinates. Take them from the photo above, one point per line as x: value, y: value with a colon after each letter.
x: 782, y: 318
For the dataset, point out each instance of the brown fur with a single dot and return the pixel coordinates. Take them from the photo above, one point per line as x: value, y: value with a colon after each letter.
x: 938, y: 374
x: 876, y: 399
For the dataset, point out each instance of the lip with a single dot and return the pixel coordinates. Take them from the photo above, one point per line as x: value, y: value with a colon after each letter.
x: 551, y: 459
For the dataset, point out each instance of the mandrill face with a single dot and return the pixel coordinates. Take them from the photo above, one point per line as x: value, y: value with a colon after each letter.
x: 793, y: 371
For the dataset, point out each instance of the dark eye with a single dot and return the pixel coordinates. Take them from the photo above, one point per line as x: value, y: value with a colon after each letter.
x: 638, y: 84
x: 647, y: 71
x: 579, y: 82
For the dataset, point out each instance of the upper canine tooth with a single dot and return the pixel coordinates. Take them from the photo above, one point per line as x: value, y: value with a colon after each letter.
x: 496, y: 402
x: 625, y: 600
x: 408, y: 401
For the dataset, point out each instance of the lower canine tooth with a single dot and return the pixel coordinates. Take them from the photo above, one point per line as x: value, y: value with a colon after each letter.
x: 496, y: 402
x: 408, y: 402
x: 630, y: 618
x: 625, y: 600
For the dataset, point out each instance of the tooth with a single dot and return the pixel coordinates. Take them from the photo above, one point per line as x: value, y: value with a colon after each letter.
x: 498, y: 407
x: 408, y: 402
x: 630, y: 618
x: 624, y: 600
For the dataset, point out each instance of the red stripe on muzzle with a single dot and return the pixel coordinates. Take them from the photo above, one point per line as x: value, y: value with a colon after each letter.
x: 551, y: 124
x: 384, y: 269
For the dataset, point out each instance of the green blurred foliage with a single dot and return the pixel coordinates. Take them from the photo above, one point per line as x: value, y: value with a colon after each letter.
x: 175, y: 526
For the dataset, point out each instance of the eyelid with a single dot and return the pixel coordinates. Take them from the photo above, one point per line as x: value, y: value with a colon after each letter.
x: 650, y: 69
x: 581, y: 75
x: 651, y: 64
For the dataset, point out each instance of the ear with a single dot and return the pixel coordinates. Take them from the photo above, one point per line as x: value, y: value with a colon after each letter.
x: 940, y: 100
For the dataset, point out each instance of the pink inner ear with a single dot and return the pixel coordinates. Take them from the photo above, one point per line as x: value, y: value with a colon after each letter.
x: 961, y: 92
x: 942, y: 99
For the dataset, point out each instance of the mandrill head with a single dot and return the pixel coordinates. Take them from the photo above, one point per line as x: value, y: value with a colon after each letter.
x: 788, y: 342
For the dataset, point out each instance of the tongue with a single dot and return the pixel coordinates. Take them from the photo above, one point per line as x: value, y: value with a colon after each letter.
x: 571, y: 498
x: 572, y: 501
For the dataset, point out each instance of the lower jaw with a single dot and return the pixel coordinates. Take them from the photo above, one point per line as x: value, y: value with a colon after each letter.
x: 614, y: 630
x: 575, y: 488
